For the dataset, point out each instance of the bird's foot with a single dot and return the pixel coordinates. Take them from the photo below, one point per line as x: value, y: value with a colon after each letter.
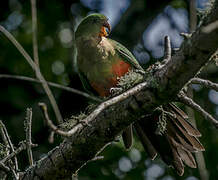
x: 115, y: 91
x: 140, y: 71
x: 84, y: 122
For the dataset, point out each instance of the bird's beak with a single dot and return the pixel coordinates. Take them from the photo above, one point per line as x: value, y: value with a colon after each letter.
x: 107, y: 25
x: 103, y: 31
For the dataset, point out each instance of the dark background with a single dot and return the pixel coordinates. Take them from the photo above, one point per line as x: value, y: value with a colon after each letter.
x: 138, y: 24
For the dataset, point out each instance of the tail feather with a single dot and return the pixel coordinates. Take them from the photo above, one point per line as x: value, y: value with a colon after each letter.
x: 192, y: 140
x: 177, y: 160
x: 177, y: 143
x: 149, y: 148
x: 179, y: 138
x: 159, y: 143
x: 186, y: 125
x: 184, y: 154
x: 187, y: 157
x: 178, y: 110
x: 127, y: 136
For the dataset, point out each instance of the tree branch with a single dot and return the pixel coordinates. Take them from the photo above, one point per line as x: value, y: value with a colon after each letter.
x: 25, y: 78
x: 22, y: 147
x: 4, y: 168
x: 34, y: 27
x: 94, y: 114
x: 193, y: 54
x: 27, y: 126
x: 6, y: 163
x: 36, y: 70
x: 210, y: 27
x: 199, y: 156
x: 168, y: 49
x: 8, y: 142
x: 205, y: 83
x: 188, y: 101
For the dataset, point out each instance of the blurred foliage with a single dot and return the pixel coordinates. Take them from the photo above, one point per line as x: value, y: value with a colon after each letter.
x: 141, y: 26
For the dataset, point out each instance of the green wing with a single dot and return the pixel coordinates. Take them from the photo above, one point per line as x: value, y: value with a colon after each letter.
x: 86, y: 85
x: 88, y: 88
x: 126, y: 54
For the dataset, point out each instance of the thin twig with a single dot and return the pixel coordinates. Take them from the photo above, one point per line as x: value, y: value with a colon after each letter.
x: 204, y: 82
x: 51, y: 137
x: 48, y: 121
x: 210, y: 27
x: 37, y: 71
x: 25, y: 78
x: 28, y: 124
x: 9, y: 143
x: 167, y: 48
x: 14, y: 153
x: 17, y: 151
x: 4, y: 138
x: 34, y: 27
x: 4, y: 167
x: 94, y: 114
x: 14, y: 173
x: 188, y: 101
x: 199, y: 156
x: 192, y: 16
x: 96, y: 158
x: 186, y: 35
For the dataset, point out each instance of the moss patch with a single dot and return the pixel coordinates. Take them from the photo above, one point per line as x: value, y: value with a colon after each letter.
x: 130, y: 79
x: 72, y: 121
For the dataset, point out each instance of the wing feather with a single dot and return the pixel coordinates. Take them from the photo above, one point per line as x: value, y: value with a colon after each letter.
x: 125, y: 54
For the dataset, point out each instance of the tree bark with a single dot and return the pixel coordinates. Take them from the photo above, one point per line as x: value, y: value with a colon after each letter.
x: 114, y: 115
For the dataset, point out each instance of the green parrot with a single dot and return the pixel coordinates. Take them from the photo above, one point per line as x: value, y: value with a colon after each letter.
x: 101, y: 62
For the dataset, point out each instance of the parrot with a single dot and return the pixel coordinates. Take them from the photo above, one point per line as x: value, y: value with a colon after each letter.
x: 100, y: 62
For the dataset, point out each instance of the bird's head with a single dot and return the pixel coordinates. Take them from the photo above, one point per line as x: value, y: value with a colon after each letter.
x: 93, y: 25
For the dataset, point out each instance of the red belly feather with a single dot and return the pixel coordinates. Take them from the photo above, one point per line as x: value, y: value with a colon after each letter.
x: 118, y: 69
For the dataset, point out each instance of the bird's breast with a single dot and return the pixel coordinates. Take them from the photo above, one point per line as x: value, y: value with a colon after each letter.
x: 109, y: 78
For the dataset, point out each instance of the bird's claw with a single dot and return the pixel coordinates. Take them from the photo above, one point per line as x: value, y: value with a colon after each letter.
x: 85, y: 122
x: 140, y: 71
x: 115, y: 91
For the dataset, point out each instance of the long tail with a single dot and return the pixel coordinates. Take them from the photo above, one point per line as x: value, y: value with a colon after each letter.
x: 176, y: 144
x: 127, y: 136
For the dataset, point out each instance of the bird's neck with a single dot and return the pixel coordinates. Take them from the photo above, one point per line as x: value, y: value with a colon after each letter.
x: 87, y: 42
x: 95, y: 48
